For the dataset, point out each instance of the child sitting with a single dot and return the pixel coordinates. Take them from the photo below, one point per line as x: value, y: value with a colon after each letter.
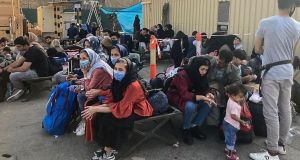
x: 232, y: 120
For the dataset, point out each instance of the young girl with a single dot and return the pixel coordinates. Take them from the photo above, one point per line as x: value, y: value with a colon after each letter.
x: 232, y: 119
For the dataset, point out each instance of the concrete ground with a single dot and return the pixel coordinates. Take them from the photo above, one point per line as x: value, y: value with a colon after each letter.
x: 21, y: 135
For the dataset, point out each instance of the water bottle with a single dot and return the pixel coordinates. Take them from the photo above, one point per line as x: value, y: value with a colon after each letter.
x: 292, y: 133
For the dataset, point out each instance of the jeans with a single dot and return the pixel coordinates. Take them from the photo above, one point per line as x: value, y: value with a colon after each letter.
x: 276, y: 105
x: 17, y: 78
x: 230, y: 135
x: 81, y: 98
x: 201, y: 111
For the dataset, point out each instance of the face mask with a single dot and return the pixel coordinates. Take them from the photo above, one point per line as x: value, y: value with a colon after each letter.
x: 114, y: 42
x: 119, y: 75
x: 114, y: 60
x: 84, y: 64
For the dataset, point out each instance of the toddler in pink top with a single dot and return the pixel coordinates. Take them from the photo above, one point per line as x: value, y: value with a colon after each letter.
x: 232, y: 121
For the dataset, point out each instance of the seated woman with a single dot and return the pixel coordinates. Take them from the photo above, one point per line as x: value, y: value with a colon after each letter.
x: 189, y: 90
x: 124, y: 103
x: 56, y: 44
x: 33, y: 40
x: 97, y: 75
x: 115, y: 54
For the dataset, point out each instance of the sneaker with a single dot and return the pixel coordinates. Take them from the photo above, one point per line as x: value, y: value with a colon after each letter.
x: 263, y: 156
x: 103, y: 155
x: 196, y: 132
x: 231, y: 155
x: 16, y: 95
x: 109, y: 155
x: 281, y: 148
x: 80, y: 130
x: 98, y: 155
x: 187, y: 137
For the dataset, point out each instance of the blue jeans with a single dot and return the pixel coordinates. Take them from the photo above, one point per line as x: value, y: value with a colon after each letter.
x: 201, y: 109
x: 81, y: 98
x: 230, y: 135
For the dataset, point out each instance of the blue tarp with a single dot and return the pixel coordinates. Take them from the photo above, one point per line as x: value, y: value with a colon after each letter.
x: 126, y: 16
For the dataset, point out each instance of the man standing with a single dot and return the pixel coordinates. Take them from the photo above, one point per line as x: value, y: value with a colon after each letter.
x: 279, y: 34
x: 72, y: 31
x: 33, y: 64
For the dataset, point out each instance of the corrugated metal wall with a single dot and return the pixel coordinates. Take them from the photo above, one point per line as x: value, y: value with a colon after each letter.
x: 185, y: 15
x: 246, y: 14
x: 201, y: 15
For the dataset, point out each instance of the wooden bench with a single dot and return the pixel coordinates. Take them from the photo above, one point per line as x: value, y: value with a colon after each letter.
x: 159, y: 121
x: 29, y: 83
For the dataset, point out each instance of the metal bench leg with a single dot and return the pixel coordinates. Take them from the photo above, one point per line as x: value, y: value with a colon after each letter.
x: 147, y: 136
x: 133, y: 148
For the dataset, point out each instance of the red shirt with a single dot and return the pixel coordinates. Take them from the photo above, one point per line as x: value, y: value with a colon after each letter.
x: 179, y: 91
x: 100, y: 79
x: 134, y: 100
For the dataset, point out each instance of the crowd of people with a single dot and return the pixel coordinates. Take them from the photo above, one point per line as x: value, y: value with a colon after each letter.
x: 110, y: 78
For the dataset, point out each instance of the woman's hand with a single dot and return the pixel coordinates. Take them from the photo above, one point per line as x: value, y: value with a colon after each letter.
x: 211, y: 102
x: 71, y: 77
x: 92, y: 93
x: 89, y: 112
x: 209, y: 95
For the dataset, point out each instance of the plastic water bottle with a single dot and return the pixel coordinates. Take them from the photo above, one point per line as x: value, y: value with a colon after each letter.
x: 292, y: 133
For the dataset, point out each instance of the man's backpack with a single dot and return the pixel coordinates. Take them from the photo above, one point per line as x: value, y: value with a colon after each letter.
x: 59, y: 108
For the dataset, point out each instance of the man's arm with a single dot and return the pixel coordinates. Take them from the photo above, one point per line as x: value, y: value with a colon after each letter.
x: 15, y: 64
x: 295, y: 49
x: 259, y: 45
x: 259, y: 38
x: 25, y: 67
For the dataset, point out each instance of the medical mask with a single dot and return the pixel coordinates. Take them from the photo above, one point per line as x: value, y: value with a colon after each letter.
x: 119, y: 75
x: 84, y: 63
x: 114, y: 42
x: 114, y: 60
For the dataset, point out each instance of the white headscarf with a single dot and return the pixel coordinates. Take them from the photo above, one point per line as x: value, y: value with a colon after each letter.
x: 96, y: 62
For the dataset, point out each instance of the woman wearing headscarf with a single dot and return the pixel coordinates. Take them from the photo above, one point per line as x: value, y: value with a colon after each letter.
x: 160, y: 32
x: 93, y: 43
x: 180, y: 48
x: 189, y: 90
x: 56, y: 44
x: 116, y: 116
x: 33, y: 40
x: 97, y: 75
x: 116, y: 53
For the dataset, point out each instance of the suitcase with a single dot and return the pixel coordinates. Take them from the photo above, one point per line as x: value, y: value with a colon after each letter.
x: 258, y: 119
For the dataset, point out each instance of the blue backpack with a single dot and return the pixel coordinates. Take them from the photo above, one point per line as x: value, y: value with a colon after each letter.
x: 59, y: 109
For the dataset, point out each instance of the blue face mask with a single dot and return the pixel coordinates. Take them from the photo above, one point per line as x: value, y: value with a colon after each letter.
x: 84, y: 63
x: 114, y: 60
x: 119, y: 75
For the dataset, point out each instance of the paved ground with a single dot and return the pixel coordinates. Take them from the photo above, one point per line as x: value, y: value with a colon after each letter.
x: 21, y: 135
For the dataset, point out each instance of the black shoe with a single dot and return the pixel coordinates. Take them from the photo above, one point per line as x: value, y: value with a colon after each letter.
x: 187, y: 137
x: 196, y: 132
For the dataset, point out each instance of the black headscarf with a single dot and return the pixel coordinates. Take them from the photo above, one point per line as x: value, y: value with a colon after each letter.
x: 200, y: 83
x: 118, y: 87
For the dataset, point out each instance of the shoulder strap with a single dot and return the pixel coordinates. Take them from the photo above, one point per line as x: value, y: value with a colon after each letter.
x: 269, y: 66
